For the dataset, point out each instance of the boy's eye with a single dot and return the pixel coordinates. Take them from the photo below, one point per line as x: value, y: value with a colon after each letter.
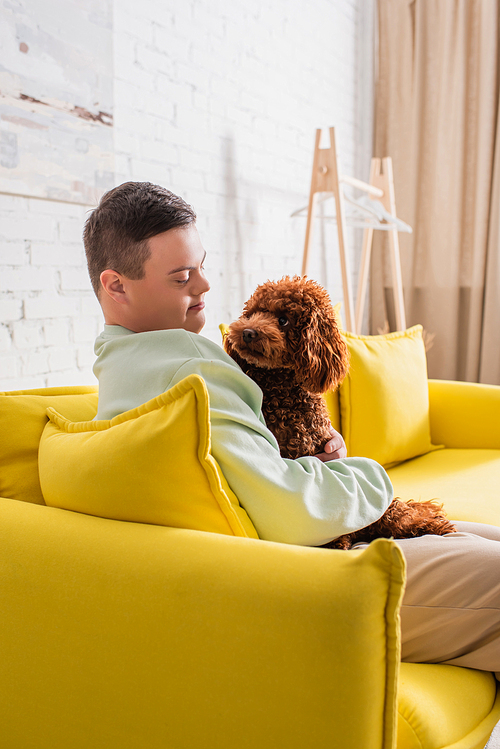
x: 283, y: 321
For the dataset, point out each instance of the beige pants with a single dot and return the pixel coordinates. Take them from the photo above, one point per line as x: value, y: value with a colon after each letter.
x: 451, y: 605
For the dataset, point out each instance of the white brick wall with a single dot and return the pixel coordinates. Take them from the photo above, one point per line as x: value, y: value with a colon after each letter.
x: 44, y: 326
x: 219, y: 102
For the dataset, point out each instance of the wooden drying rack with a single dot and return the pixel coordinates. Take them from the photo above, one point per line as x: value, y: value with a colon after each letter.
x: 327, y: 179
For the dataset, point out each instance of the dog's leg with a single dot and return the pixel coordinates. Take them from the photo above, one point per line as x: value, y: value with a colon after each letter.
x: 401, y: 520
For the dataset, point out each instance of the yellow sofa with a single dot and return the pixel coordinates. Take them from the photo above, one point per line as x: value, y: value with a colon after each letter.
x: 132, y: 635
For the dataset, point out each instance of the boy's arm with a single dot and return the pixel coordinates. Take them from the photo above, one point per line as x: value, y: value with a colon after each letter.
x: 303, y: 501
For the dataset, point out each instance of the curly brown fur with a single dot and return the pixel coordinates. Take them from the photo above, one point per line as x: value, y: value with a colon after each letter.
x: 288, y: 341
x: 400, y: 520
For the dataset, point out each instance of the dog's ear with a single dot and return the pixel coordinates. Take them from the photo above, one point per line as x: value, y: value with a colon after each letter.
x: 323, y: 357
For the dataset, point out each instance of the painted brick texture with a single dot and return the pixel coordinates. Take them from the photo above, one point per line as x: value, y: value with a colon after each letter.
x: 219, y: 102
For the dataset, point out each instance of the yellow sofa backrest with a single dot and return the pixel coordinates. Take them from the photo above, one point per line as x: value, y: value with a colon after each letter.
x: 22, y: 420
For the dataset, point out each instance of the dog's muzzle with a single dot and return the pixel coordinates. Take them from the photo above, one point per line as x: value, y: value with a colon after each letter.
x: 250, y: 335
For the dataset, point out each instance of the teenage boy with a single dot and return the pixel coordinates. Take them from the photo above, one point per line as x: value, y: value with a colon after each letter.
x: 145, y: 261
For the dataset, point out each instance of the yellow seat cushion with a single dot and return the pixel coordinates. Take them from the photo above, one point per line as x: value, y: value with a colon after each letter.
x: 149, y: 465
x: 466, y: 481
x: 23, y: 415
x: 384, y: 400
x: 431, y: 699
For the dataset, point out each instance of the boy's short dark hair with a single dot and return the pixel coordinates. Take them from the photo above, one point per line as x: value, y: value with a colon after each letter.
x: 116, y: 232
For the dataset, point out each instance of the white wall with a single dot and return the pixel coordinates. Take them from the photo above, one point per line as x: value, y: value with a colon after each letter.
x: 219, y: 102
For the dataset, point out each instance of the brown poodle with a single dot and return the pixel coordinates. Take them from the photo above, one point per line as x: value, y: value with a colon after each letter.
x: 288, y: 341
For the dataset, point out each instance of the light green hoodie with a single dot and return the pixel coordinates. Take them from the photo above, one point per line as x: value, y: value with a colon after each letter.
x: 301, y: 501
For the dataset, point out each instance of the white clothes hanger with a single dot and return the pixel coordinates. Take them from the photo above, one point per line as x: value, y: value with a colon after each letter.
x: 385, y: 220
x: 368, y: 213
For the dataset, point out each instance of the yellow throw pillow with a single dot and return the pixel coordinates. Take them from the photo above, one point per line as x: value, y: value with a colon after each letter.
x: 384, y: 400
x: 23, y: 415
x: 148, y: 465
x: 224, y: 330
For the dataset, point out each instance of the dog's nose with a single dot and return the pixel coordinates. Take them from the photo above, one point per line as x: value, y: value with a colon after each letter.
x: 250, y: 335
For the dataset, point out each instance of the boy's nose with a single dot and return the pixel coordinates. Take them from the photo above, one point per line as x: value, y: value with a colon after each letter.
x: 249, y: 335
x: 202, y: 287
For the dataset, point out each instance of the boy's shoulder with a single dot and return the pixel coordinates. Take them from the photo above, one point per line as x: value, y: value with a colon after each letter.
x: 179, y: 341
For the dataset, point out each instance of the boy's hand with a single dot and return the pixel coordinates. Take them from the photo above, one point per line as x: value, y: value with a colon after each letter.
x: 335, y: 447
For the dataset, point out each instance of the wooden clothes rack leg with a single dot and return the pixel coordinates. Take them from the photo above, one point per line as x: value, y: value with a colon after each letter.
x: 366, y: 252
x: 326, y: 179
x: 381, y: 176
x: 389, y: 202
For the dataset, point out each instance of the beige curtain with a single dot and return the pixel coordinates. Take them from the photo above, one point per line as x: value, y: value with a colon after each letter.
x: 437, y: 116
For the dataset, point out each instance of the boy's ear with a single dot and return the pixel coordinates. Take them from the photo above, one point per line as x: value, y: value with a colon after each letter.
x: 112, y: 284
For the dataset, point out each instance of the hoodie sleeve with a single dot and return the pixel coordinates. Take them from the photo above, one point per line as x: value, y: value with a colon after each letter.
x: 303, y: 501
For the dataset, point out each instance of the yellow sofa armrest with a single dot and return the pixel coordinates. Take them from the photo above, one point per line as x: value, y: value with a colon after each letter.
x: 130, y: 635
x: 464, y: 414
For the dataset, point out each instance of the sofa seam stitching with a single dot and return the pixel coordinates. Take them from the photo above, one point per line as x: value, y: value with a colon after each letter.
x: 411, y: 728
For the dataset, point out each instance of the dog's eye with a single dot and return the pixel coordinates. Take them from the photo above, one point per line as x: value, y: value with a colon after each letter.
x: 283, y: 321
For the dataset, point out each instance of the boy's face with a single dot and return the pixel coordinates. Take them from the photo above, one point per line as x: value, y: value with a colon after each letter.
x: 174, y: 285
